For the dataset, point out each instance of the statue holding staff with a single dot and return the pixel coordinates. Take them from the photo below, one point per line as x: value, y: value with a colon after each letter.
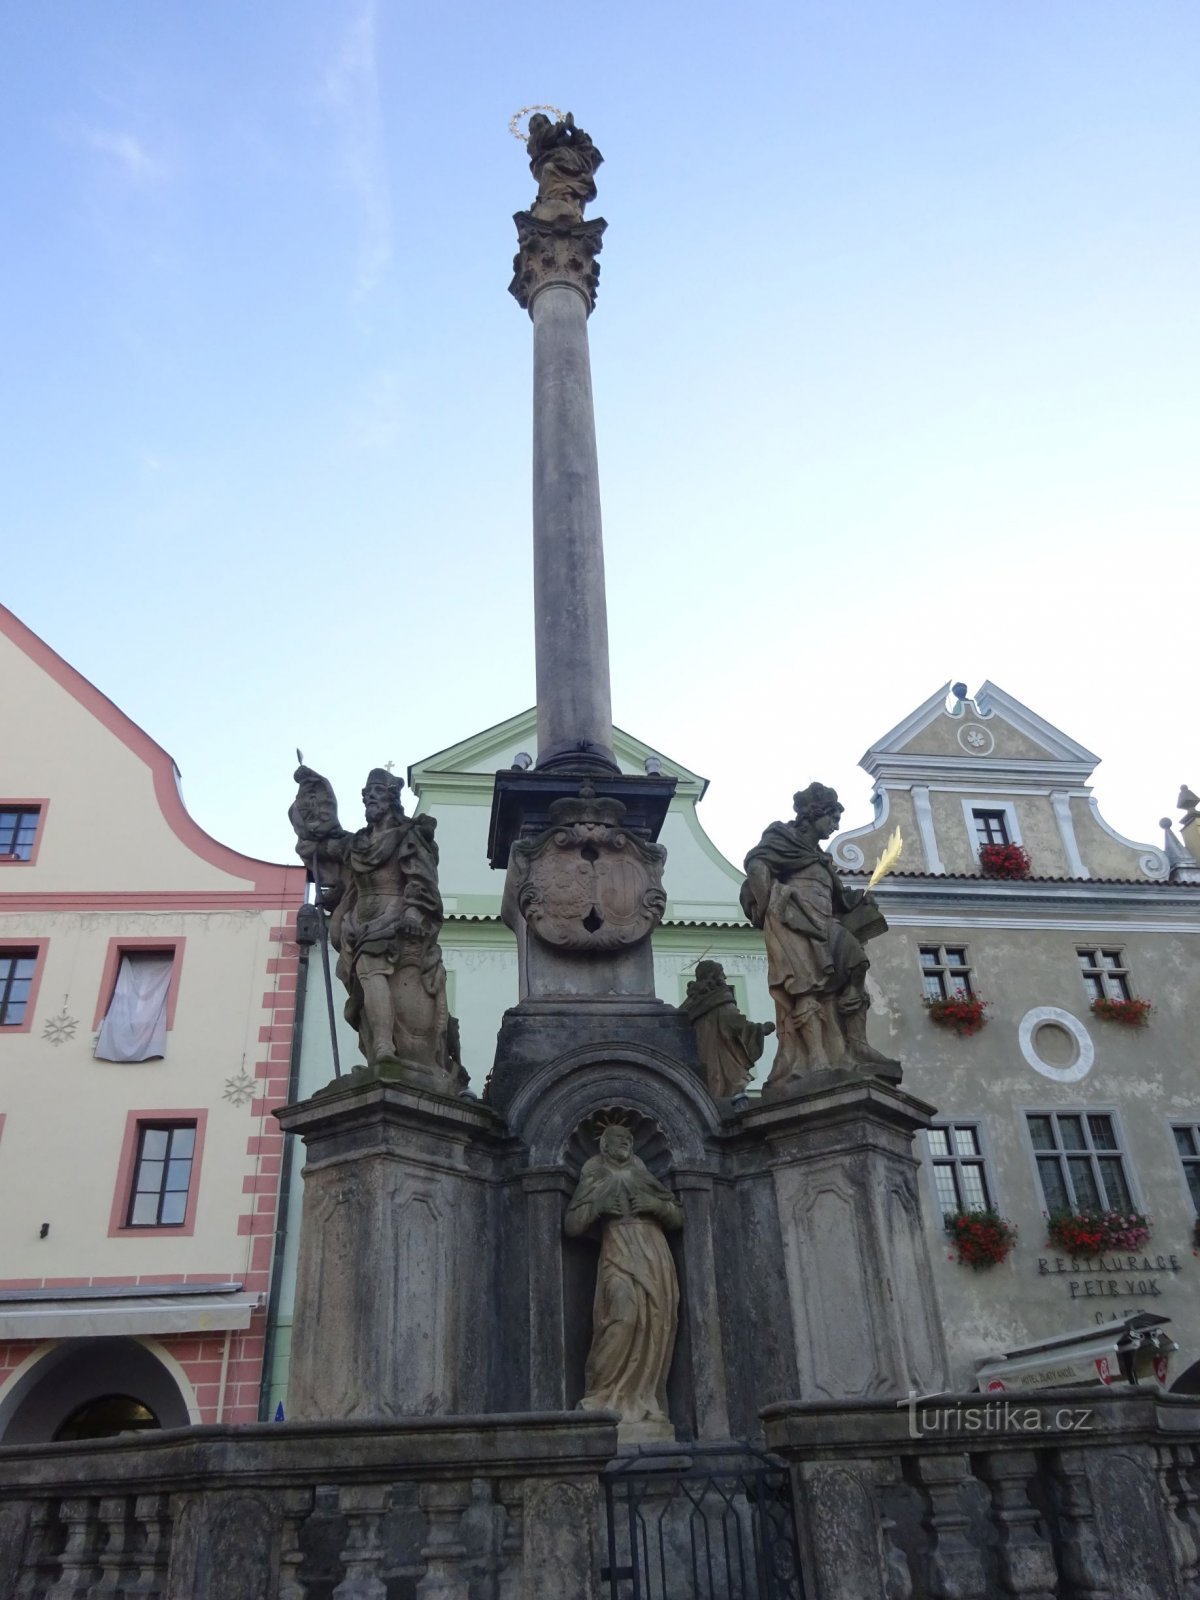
x: 381, y: 886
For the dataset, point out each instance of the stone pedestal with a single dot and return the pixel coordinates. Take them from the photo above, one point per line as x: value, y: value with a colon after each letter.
x: 855, y: 1255
x: 392, y: 1289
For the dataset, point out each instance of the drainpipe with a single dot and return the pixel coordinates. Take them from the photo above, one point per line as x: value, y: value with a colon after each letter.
x: 285, y: 1170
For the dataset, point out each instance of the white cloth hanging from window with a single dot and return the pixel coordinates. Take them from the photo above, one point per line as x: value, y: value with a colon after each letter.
x: 135, y: 1028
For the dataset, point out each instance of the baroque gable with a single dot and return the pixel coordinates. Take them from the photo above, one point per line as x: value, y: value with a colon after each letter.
x: 958, y: 766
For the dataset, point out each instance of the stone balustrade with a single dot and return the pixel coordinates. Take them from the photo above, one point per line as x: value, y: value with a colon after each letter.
x: 1059, y: 1495
x: 1071, y: 1494
x: 455, y: 1508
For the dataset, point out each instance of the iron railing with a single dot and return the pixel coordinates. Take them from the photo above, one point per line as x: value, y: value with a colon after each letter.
x: 715, y: 1525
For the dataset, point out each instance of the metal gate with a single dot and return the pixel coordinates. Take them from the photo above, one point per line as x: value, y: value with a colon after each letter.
x: 718, y: 1525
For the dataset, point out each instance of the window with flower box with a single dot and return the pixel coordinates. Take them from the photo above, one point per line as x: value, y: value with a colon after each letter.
x: 959, y: 1168
x: 944, y: 972
x: 1080, y: 1162
x: 991, y: 827
x: 1105, y: 975
x: 1187, y: 1142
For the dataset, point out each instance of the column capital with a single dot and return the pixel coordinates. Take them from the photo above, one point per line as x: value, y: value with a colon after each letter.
x: 556, y: 252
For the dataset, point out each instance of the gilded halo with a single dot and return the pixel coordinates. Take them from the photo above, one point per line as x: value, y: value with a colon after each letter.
x: 514, y: 122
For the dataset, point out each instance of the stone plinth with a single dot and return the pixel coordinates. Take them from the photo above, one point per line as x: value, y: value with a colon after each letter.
x: 855, y: 1254
x: 392, y: 1306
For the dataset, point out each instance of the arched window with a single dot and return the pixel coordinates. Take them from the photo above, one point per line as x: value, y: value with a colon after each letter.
x: 106, y: 1416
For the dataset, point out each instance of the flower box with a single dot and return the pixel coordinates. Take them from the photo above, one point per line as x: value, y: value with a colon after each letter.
x: 1003, y: 861
x: 963, y: 1013
x: 1132, y: 1013
x: 1091, y: 1233
x: 981, y: 1237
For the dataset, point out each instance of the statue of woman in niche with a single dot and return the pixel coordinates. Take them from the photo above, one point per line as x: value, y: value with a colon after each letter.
x: 636, y: 1310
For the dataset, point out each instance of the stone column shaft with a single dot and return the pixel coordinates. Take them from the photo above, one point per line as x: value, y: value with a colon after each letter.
x: 571, y: 621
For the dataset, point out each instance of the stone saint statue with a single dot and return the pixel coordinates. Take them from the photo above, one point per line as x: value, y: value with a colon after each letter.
x: 563, y: 159
x: 729, y: 1044
x: 636, y: 1310
x: 381, y: 886
x: 814, y: 928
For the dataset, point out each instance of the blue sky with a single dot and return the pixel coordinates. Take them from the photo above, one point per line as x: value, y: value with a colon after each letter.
x: 895, y: 365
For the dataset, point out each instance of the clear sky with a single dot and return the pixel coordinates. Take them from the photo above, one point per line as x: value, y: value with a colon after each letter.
x: 896, y: 365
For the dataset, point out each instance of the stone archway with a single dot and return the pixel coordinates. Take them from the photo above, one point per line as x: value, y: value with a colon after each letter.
x: 77, y: 1371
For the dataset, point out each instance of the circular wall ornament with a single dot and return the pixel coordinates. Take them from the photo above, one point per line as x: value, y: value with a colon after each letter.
x: 1056, y: 1044
x: 975, y: 740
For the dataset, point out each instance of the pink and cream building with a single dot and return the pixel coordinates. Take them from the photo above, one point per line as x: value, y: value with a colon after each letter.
x: 148, y: 981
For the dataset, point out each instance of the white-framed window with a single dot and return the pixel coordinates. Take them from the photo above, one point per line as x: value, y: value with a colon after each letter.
x: 959, y: 1167
x: 1187, y: 1143
x: 945, y: 974
x: 990, y: 822
x: 1105, y: 975
x: 1080, y: 1161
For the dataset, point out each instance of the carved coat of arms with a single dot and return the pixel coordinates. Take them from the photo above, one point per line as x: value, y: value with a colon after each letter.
x: 584, y: 883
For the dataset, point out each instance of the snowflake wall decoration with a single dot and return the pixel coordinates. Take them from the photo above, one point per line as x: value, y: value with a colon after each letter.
x: 60, y: 1028
x: 239, y: 1089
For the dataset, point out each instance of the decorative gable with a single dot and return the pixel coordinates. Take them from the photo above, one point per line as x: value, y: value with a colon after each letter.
x: 959, y: 771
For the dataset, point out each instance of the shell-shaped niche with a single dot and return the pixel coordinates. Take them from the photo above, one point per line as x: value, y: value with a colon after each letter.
x: 649, y: 1141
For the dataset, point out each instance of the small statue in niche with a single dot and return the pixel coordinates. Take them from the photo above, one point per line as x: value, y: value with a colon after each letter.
x: 635, y: 1313
x: 814, y: 928
x: 729, y: 1043
x: 563, y: 159
x: 381, y: 886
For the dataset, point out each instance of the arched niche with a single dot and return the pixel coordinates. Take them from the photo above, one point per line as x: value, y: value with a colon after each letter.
x: 560, y: 1097
x: 675, y: 1122
x: 76, y: 1371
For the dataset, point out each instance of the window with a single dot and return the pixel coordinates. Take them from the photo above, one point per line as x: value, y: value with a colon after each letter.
x: 157, y: 1182
x: 1079, y: 1161
x: 136, y: 1007
x: 991, y: 827
x: 18, y: 831
x: 1187, y: 1142
x: 17, y: 970
x: 958, y: 1167
x: 162, y: 1175
x: 1105, y: 975
x: 944, y: 972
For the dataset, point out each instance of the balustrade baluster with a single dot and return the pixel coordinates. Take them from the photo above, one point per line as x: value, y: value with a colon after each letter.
x: 443, y: 1504
x: 1026, y: 1556
x: 1082, y: 1558
x: 955, y: 1566
x: 363, y: 1552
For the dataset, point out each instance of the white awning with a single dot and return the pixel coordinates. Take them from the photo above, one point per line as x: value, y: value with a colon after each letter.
x: 1084, y: 1356
x: 145, y: 1314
